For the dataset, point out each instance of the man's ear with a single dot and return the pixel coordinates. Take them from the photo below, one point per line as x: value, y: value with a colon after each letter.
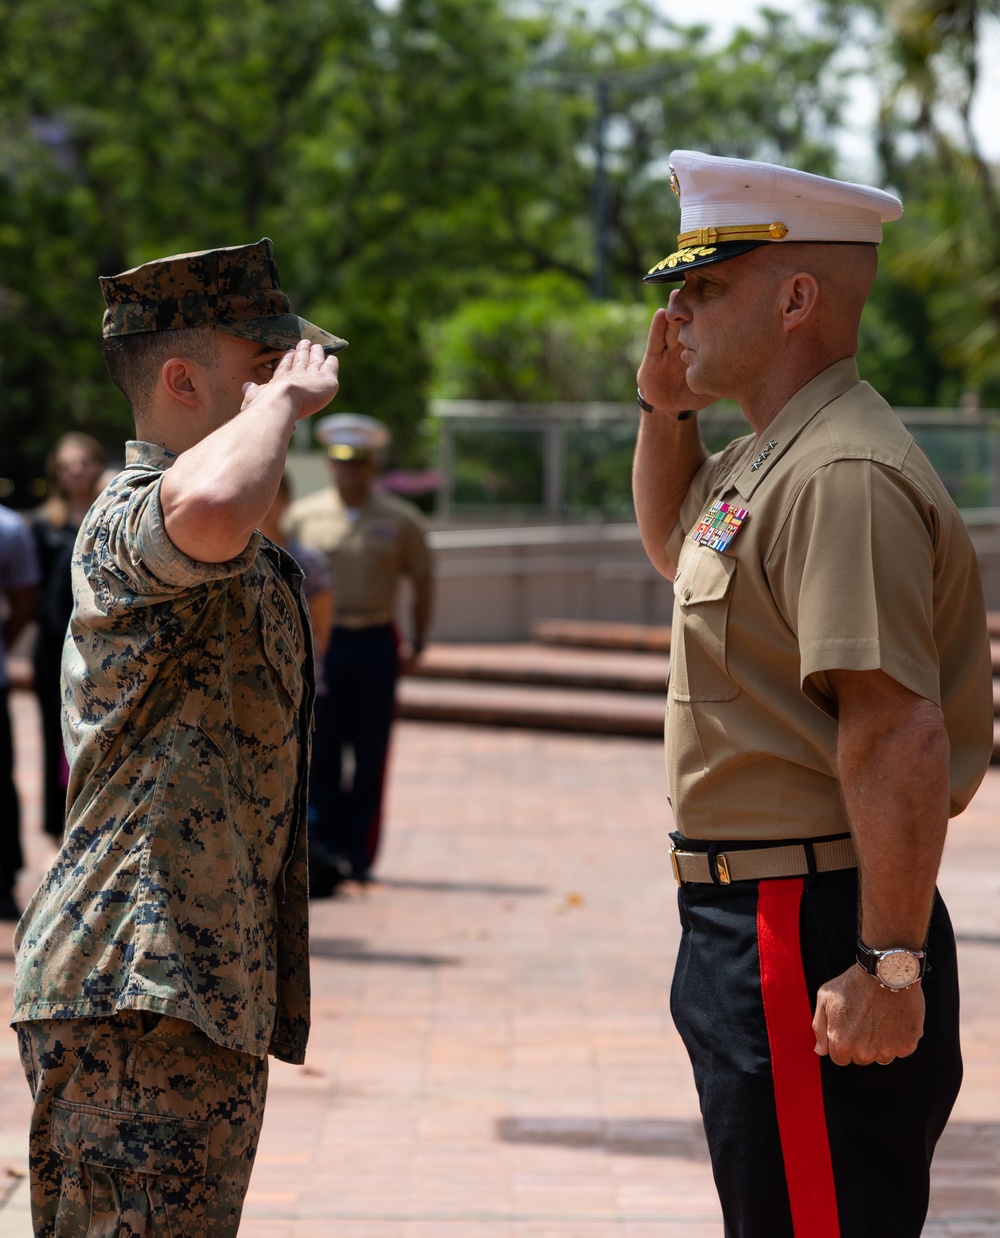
x: 801, y: 297
x: 180, y: 379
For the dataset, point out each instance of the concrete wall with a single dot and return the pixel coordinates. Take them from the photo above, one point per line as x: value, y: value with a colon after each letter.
x: 494, y: 583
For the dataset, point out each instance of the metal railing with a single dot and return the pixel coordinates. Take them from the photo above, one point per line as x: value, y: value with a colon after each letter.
x: 555, y: 462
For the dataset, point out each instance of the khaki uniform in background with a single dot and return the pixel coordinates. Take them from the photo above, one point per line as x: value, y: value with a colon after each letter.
x: 367, y: 554
x: 369, y: 550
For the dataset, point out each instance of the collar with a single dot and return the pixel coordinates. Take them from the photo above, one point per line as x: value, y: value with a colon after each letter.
x: 771, y: 445
x: 148, y: 455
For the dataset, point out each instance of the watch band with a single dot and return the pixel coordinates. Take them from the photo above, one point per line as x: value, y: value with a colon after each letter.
x: 646, y: 407
x: 895, y: 964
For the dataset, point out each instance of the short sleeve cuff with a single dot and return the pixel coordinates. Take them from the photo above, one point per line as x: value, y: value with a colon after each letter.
x: 819, y: 657
x: 171, y: 566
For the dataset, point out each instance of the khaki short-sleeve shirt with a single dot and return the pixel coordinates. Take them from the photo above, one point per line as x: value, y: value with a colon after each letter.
x: 367, y: 552
x: 851, y: 555
x: 181, y: 884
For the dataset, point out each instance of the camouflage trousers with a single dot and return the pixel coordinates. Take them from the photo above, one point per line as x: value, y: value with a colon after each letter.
x: 142, y: 1127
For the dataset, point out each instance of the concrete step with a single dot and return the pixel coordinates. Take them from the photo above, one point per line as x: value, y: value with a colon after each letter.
x: 544, y: 707
x: 538, y: 707
x: 594, y: 634
x: 550, y: 665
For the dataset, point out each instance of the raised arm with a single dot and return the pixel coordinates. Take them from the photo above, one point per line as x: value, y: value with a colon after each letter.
x: 668, y: 451
x: 218, y: 491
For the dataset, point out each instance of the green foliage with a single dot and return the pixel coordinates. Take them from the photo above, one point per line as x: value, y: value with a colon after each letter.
x: 391, y: 154
x: 449, y: 183
x: 539, y: 340
x: 943, y: 258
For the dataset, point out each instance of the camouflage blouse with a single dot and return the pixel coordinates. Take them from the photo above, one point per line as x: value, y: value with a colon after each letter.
x: 180, y: 887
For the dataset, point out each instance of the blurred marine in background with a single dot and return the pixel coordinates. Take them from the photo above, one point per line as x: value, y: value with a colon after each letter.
x: 372, y: 540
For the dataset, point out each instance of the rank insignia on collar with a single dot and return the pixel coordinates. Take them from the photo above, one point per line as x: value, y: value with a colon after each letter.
x: 769, y: 447
x: 719, y: 525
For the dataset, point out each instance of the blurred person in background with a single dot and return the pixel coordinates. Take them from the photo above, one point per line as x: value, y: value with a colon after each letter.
x: 317, y: 583
x: 371, y: 540
x: 76, y: 468
x: 18, y: 585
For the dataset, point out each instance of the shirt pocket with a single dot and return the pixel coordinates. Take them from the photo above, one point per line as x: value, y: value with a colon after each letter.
x: 703, y: 590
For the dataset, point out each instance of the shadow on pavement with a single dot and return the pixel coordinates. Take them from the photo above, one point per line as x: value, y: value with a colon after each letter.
x: 464, y: 887
x: 675, y: 1137
x: 346, y: 950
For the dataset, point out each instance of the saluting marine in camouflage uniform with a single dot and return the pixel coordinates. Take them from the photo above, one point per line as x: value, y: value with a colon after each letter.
x: 166, y: 952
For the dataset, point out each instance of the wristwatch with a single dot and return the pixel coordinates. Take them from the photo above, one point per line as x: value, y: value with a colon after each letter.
x: 896, y: 968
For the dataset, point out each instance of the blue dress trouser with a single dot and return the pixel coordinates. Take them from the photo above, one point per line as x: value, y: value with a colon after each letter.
x: 354, y: 716
x: 862, y: 1169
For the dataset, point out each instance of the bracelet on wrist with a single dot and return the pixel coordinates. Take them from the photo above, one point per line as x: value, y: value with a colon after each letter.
x: 646, y: 407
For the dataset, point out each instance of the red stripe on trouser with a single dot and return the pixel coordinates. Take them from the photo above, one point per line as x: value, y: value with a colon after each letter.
x: 798, y: 1091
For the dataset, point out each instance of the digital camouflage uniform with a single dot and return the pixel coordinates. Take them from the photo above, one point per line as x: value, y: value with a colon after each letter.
x: 165, y: 953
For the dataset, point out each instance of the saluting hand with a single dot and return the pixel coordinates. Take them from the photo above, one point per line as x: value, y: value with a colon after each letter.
x: 662, y: 375
x: 305, y: 374
x: 859, y: 1021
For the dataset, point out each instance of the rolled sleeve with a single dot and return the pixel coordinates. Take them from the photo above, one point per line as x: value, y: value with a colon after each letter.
x: 139, y: 548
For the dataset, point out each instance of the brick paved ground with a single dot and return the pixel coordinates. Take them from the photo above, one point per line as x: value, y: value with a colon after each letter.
x: 492, y: 1055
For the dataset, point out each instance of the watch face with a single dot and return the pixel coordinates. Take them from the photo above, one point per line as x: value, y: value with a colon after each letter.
x: 898, y: 968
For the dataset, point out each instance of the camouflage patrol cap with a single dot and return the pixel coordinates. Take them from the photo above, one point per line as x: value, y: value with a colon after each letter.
x: 234, y: 290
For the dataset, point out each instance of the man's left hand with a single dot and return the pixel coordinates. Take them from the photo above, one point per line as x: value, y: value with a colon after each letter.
x: 859, y: 1021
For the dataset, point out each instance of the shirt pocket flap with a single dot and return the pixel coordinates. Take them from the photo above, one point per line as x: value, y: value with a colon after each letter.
x: 705, y: 576
x: 134, y: 1142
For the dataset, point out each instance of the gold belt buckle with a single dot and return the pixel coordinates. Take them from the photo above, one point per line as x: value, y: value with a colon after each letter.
x: 722, y: 868
x: 673, y: 861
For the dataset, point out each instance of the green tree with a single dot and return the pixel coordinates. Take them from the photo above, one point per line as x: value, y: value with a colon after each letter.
x: 411, y: 159
x: 391, y: 154
x: 942, y: 259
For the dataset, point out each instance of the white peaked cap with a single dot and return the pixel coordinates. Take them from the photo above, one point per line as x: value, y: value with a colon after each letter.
x: 729, y: 206
x: 352, y: 436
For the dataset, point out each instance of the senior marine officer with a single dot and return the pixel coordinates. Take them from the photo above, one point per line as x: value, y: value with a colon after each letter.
x: 165, y: 953
x: 372, y: 540
x: 830, y: 706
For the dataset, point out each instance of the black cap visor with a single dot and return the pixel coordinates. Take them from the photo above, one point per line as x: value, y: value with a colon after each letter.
x: 673, y: 268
